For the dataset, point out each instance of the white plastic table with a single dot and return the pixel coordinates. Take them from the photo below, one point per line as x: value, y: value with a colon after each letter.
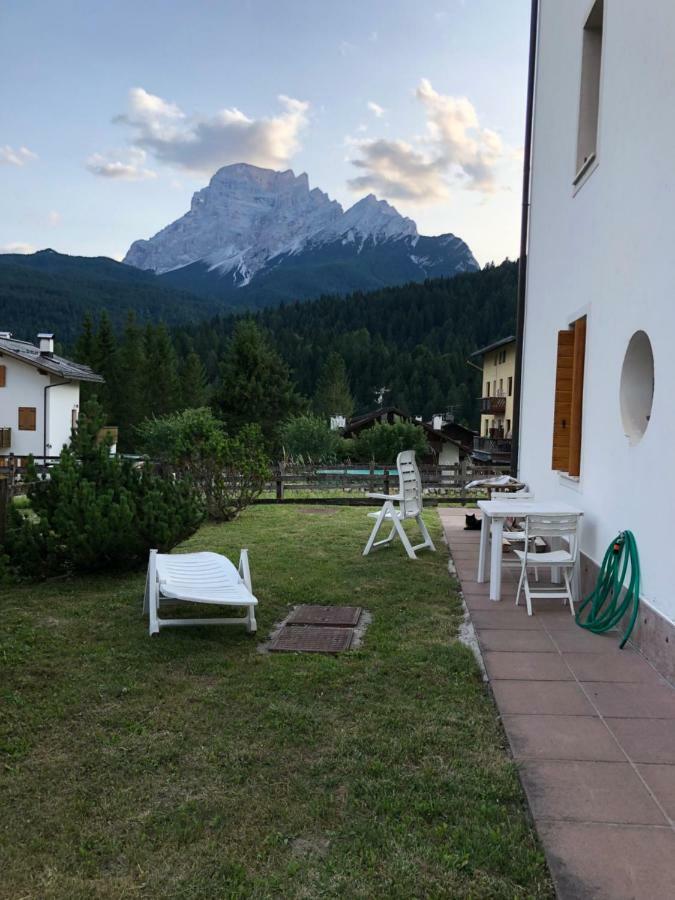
x: 494, y: 513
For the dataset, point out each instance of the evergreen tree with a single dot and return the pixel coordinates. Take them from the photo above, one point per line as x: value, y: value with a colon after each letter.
x: 333, y: 396
x: 84, y: 346
x: 130, y: 403
x: 103, y: 363
x: 162, y: 384
x: 255, y: 384
x: 193, y: 382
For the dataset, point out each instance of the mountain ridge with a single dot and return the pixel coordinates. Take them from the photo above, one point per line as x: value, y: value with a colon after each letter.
x: 251, y: 230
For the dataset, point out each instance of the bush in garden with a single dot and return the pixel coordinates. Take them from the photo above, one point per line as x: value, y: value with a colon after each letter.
x: 228, y: 471
x: 309, y: 439
x: 96, y: 512
x: 383, y: 442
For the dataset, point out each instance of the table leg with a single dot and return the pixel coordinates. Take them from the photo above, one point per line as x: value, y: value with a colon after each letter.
x: 496, y: 559
x: 483, y: 550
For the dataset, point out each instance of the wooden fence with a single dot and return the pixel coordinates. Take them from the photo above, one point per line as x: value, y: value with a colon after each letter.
x: 351, y: 483
x: 330, y: 484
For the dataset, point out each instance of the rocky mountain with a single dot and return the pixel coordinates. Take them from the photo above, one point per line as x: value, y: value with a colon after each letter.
x: 256, y: 237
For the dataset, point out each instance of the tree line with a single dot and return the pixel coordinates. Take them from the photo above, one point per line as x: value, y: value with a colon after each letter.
x: 406, y: 346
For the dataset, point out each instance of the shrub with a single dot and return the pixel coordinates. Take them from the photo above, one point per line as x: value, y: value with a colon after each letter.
x: 96, y: 512
x: 228, y: 471
x: 382, y: 443
x: 308, y: 439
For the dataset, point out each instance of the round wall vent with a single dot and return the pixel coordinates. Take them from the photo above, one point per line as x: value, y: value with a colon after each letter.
x: 637, y: 386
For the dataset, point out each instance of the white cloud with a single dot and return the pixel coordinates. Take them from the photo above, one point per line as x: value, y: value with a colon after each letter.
x: 124, y: 166
x: 375, y: 108
x: 17, y: 247
x: 454, y: 145
x: 54, y: 217
x: 19, y: 157
x: 203, y: 144
x: 346, y: 48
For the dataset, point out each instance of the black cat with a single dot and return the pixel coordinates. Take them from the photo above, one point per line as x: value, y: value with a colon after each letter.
x: 472, y: 523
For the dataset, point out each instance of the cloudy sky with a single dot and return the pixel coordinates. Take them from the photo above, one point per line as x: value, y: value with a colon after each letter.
x: 113, y: 114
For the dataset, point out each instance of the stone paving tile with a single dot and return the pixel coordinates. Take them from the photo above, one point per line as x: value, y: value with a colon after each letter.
x: 628, y: 701
x: 561, y: 737
x: 573, y: 764
x: 609, y: 862
x: 646, y: 740
x: 502, y: 618
x: 580, y: 641
x: 623, y: 666
x: 555, y: 698
x: 661, y: 780
x: 515, y: 665
x: 479, y: 601
x: 588, y: 792
x: 533, y: 640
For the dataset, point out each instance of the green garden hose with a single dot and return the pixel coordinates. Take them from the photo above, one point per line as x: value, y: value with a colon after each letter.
x: 605, y: 605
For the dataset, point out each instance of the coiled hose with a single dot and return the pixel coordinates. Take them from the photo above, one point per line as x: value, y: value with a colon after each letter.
x: 604, y: 607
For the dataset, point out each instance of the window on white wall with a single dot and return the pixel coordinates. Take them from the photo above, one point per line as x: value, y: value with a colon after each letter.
x: 589, y: 94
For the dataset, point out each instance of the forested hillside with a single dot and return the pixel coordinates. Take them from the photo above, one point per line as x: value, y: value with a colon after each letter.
x: 50, y: 291
x: 412, y: 340
x: 407, y: 344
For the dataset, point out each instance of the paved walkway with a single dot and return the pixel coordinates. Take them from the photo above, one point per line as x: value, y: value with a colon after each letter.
x: 592, y: 729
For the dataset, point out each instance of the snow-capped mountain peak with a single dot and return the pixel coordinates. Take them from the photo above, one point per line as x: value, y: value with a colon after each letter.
x: 248, y: 221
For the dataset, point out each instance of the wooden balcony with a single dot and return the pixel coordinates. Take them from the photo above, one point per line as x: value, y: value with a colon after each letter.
x: 492, y: 449
x: 493, y: 406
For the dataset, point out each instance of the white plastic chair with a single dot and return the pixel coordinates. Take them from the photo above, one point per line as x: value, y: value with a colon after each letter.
x: 561, y: 529
x: 409, y: 499
x: 198, y: 578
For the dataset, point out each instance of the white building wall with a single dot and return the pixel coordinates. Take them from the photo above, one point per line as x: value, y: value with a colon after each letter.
x: 24, y: 386
x: 62, y: 400
x: 607, y: 252
x: 449, y: 455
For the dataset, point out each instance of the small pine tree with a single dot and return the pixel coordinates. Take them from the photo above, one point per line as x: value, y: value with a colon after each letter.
x: 192, y: 382
x: 162, y: 385
x: 333, y: 396
x: 255, y: 384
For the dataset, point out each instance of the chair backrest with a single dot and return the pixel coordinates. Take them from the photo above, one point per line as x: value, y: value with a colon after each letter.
x: 558, y: 525
x: 410, y: 484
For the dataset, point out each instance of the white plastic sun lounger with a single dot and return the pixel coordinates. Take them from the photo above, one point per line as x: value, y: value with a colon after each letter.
x: 198, y: 578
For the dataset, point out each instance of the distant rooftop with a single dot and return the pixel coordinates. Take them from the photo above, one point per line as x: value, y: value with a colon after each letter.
x: 507, y: 340
x: 55, y: 365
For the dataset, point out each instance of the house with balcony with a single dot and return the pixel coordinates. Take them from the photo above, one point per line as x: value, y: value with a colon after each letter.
x: 39, y: 396
x: 498, y: 364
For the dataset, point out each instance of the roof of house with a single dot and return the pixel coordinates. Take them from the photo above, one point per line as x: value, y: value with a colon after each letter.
x: 54, y: 365
x: 359, y: 421
x: 507, y: 340
x: 365, y: 418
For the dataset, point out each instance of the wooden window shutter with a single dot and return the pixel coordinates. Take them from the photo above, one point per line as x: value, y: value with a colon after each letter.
x: 563, y: 400
x: 27, y: 418
x: 3, y: 376
x: 574, y: 465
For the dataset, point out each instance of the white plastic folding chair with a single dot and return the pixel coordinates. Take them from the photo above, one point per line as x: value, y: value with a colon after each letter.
x: 198, y: 578
x: 409, y: 500
x: 561, y: 529
x: 514, y: 533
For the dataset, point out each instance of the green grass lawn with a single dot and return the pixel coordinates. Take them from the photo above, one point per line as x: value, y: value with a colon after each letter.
x: 191, y: 765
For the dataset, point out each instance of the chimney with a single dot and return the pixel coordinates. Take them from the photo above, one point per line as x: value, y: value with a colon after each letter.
x: 46, y: 342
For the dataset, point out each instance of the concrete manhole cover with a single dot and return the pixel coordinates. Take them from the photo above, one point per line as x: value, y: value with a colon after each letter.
x: 335, y: 616
x: 312, y: 639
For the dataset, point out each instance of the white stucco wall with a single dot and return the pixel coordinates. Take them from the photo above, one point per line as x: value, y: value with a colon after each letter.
x: 24, y: 386
x: 449, y: 454
x: 62, y: 399
x: 607, y: 252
